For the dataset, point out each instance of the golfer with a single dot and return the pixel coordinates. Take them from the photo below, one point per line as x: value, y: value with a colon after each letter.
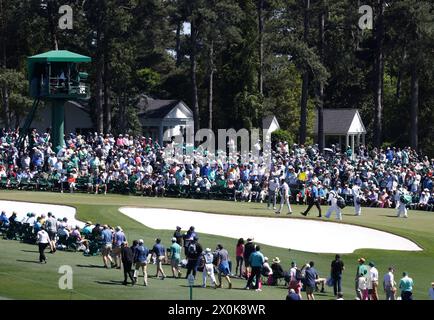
x: 42, y: 241
x: 333, y: 200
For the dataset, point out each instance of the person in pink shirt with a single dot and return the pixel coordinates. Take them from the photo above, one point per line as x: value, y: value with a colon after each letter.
x: 239, y: 253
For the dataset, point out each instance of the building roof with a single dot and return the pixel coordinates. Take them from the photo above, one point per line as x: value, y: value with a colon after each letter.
x: 268, y: 120
x: 341, y: 122
x: 59, y: 56
x: 155, y: 108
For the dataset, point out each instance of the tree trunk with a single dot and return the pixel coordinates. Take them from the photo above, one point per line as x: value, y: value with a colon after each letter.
x: 51, y: 12
x: 414, y: 108
x: 321, y: 84
x: 193, y: 72
x: 379, y: 76
x: 107, y: 105
x: 5, y: 89
x: 305, y: 86
x: 99, y: 93
x: 210, y: 84
x: 261, y: 46
x: 178, y: 43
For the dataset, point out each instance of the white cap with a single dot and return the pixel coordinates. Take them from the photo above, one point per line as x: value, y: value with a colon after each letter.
x: 140, y: 240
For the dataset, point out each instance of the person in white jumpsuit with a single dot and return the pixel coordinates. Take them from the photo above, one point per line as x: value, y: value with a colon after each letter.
x: 284, y: 197
x: 333, y: 200
x: 208, y: 269
x: 357, y: 198
x: 400, y: 207
x: 273, y: 188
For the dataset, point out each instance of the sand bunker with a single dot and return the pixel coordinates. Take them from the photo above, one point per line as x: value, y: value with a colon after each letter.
x: 296, y: 234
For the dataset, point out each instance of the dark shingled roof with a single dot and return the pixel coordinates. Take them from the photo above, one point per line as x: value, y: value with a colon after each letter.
x: 266, y: 122
x: 337, y: 121
x: 154, y: 108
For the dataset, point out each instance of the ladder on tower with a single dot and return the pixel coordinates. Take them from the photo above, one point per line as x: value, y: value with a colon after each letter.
x: 25, y: 129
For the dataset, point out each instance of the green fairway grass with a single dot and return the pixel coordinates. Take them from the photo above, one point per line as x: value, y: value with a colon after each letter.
x: 22, y: 277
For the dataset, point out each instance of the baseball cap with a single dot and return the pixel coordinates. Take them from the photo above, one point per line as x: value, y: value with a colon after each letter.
x: 173, y: 239
x: 140, y: 240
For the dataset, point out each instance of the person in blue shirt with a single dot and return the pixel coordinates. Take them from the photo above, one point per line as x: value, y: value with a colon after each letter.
x: 107, y: 239
x: 4, y: 221
x: 292, y: 296
x: 256, y: 260
x: 141, y: 261
x: 160, y: 253
x: 310, y: 280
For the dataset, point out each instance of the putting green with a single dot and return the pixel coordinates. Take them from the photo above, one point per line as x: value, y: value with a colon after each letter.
x: 22, y: 278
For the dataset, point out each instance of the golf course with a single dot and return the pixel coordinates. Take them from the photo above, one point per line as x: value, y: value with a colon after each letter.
x: 23, y: 277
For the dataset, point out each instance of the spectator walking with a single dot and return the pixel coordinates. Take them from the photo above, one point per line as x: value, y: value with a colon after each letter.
x: 389, y: 284
x: 361, y: 268
x: 313, y: 199
x: 373, y: 282
x: 141, y: 261
x: 194, y: 250
x: 160, y: 253
x: 107, y: 240
x: 118, y: 239
x: 295, y: 279
x: 42, y: 241
x: 431, y: 291
x: 249, y: 248
x: 127, y: 261
x: 51, y: 228
x: 175, y: 258
x: 406, y: 285
x: 239, y: 254
x: 310, y: 280
x: 223, y: 265
x: 256, y: 260
x: 337, y: 268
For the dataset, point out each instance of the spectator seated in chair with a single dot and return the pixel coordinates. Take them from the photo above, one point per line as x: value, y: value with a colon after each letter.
x: 278, y: 272
x: 266, y: 271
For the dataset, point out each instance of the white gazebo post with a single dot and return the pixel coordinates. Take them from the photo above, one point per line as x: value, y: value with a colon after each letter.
x: 347, y: 141
x: 352, y: 147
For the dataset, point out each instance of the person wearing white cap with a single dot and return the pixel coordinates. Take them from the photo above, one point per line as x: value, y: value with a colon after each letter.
x: 208, y: 267
x: 401, y: 208
x: 175, y: 258
x: 284, y: 197
x: 333, y: 200
x: 357, y: 199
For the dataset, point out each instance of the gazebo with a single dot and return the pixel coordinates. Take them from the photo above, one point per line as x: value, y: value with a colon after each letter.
x: 343, y: 123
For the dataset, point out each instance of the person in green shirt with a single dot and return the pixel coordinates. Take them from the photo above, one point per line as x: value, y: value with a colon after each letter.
x: 406, y: 286
x: 361, y: 269
x: 175, y: 254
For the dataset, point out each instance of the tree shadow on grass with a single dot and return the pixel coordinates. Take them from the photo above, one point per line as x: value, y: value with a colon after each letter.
x: 90, y: 266
x: 388, y: 216
x: 29, y: 261
x: 111, y: 282
x: 30, y: 251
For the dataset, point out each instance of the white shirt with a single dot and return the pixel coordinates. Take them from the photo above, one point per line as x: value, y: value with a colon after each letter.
x: 373, y: 274
x: 43, y: 237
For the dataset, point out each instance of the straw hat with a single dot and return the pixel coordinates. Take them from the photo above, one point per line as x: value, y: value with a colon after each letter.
x: 276, y: 260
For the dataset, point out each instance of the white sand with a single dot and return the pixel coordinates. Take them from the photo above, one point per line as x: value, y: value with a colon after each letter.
x: 22, y: 208
x: 296, y: 234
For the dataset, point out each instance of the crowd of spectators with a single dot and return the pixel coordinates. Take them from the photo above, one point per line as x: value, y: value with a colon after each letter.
x: 104, y: 163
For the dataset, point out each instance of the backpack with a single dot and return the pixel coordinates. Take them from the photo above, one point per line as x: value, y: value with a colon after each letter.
x: 405, y: 199
x: 191, y: 249
x: 299, y: 275
x: 341, y: 202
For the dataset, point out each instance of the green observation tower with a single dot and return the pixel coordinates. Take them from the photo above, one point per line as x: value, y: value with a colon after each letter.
x: 54, y: 77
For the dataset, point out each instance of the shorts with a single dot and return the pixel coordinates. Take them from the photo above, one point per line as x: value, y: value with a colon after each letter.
x: 140, y: 264
x: 310, y: 290
x: 106, y: 249
x: 161, y: 259
x: 224, y: 268
x: 174, y: 262
x: 116, y: 251
x: 52, y: 235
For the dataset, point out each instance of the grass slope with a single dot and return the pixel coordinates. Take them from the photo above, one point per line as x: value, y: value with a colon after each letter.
x: 21, y: 277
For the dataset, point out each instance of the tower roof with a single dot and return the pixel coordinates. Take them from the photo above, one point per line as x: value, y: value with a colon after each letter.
x: 59, y: 56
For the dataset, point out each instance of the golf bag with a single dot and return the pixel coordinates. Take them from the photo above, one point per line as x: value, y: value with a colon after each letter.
x: 341, y: 202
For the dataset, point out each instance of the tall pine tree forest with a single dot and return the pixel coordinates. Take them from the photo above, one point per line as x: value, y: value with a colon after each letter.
x: 235, y: 61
